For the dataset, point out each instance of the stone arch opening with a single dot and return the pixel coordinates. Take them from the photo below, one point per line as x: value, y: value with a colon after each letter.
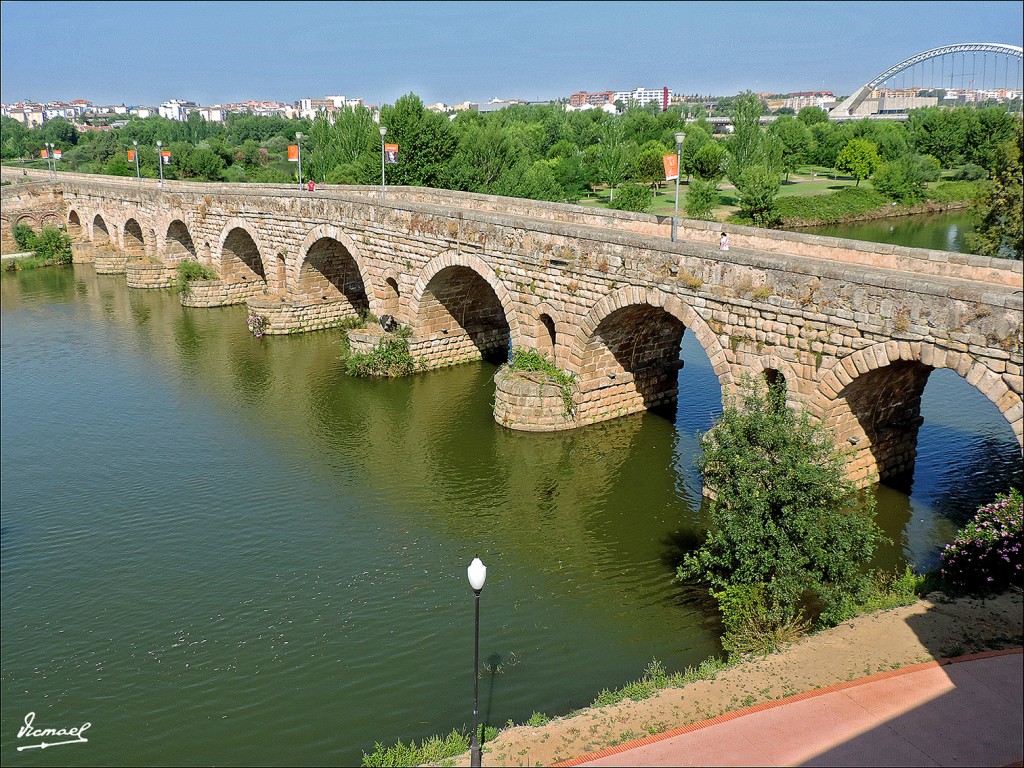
x: 776, y: 381
x: 546, y: 336
x: 100, y: 233
x: 179, y: 245
x: 876, y: 412
x: 631, y: 361
x: 74, y: 225
x: 330, y: 273
x: 240, y: 258
x: 392, y: 297
x: 460, y: 308
x: 27, y: 221
x: 134, y: 241
x: 51, y: 220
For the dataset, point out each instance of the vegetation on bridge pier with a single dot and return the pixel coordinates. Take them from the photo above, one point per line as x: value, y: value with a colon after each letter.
x: 50, y: 247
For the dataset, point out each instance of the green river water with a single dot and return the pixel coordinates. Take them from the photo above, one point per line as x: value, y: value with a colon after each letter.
x: 220, y: 550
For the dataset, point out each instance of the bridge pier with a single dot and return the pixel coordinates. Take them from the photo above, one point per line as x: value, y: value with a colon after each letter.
x: 218, y: 293
x: 109, y: 260
x: 148, y: 274
x: 285, y: 314
x: 83, y: 252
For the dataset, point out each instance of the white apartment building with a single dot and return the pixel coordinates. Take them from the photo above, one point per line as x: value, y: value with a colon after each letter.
x: 177, y: 109
x: 641, y: 96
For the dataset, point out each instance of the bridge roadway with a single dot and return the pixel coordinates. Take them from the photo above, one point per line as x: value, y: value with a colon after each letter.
x: 853, y: 329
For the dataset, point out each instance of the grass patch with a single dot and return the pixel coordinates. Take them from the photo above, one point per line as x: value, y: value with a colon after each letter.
x: 953, y: 191
x: 655, y: 678
x: 527, y: 360
x: 189, y: 271
x: 390, y: 358
x: 29, y: 262
x: 829, y: 208
x: 431, y: 751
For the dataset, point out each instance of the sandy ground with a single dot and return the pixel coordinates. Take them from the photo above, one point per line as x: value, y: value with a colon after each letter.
x: 934, y: 628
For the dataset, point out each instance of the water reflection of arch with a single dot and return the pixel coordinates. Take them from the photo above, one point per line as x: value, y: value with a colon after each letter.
x: 631, y: 340
x: 459, y: 290
x: 872, y: 400
x: 333, y: 268
x: 240, y: 254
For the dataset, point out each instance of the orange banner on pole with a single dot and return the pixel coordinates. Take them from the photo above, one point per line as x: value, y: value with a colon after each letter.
x: 671, y: 167
x: 391, y: 153
x: 43, y: 154
x: 165, y: 155
x: 57, y: 154
x: 293, y: 153
x: 131, y: 155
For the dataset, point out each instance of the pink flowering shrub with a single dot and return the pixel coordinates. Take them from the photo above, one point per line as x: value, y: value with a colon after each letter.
x: 988, y: 553
x: 257, y: 325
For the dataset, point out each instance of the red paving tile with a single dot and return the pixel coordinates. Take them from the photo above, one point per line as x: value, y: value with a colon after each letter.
x: 968, y: 711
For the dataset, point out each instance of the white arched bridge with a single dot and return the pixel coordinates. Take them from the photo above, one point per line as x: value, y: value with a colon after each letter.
x: 998, y: 81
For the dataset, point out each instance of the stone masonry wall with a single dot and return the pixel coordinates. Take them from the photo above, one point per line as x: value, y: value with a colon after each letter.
x: 145, y: 274
x: 821, y: 312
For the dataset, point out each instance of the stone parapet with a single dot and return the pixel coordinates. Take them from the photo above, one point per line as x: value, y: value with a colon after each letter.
x: 285, y: 315
x: 146, y: 274
x: 217, y: 293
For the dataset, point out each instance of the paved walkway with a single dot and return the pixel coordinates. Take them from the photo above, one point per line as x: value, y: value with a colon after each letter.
x: 967, y: 711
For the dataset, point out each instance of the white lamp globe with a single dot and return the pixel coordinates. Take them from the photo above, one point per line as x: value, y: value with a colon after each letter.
x: 477, y: 572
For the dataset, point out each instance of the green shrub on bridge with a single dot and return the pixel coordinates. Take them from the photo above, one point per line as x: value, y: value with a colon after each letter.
x: 188, y: 271
x: 24, y: 236
x: 51, y: 246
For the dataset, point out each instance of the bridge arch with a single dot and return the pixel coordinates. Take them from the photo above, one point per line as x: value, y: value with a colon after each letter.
x: 74, y: 225
x: 178, y: 244
x: 133, y: 239
x: 100, y: 233
x: 872, y: 400
x: 849, y: 105
x: 341, y: 260
x: 459, y: 298
x: 241, y: 254
x: 626, y: 350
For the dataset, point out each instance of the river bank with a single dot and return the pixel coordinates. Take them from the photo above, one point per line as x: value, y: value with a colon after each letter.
x: 889, y: 211
x: 930, y: 629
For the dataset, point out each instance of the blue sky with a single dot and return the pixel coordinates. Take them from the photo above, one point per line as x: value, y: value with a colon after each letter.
x: 210, y: 52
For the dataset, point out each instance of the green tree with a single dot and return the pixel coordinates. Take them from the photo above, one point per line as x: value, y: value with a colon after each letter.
x: 795, y: 139
x: 649, y: 165
x: 758, y: 186
x: 784, y: 519
x: 1000, y: 209
x: 53, y: 245
x: 859, y: 158
x: 899, y: 180
x: 812, y: 115
x: 701, y: 199
x: 697, y: 136
x: 633, y: 197
x: 612, y: 157
x: 709, y: 163
x: 746, y: 138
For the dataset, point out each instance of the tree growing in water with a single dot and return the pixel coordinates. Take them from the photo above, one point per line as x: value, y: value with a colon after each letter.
x: 786, y: 523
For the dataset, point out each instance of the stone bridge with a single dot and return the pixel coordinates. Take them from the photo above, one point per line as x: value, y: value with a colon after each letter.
x: 853, y: 329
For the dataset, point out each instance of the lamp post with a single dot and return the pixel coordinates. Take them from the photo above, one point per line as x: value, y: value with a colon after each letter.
x: 477, y: 572
x: 298, y: 143
x: 679, y: 172
x: 51, y: 164
x: 160, y: 161
x: 383, y: 193
x: 138, y: 174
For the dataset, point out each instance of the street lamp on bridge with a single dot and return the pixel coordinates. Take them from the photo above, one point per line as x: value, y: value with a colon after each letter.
x: 160, y: 161
x: 383, y: 133
x: 679, y: 172
x: 138, y: 173
x: 298, y: 153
